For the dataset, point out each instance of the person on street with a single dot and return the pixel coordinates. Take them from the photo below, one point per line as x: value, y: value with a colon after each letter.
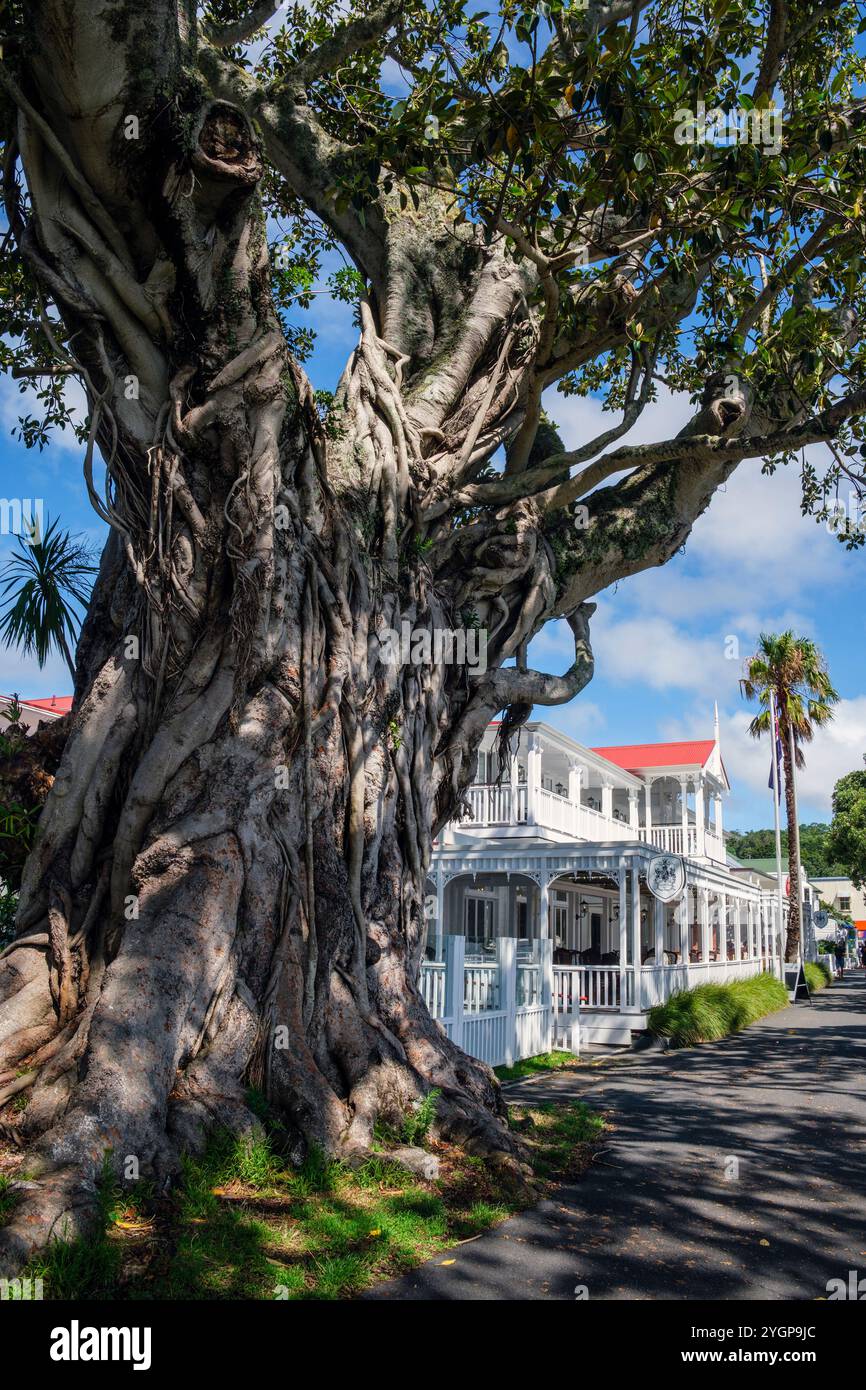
x: 840, y: 948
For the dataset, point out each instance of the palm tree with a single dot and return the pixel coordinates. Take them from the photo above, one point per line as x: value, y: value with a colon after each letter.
x: 39, y: 586
x: 795, y: 671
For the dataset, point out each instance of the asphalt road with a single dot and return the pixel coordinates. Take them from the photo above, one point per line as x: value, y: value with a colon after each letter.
x: 663, y: 1212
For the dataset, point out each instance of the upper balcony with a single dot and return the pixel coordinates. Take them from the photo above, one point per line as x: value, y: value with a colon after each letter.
x: 558, y: 789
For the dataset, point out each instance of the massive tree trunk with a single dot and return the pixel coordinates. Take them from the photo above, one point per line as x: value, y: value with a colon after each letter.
x: 227, y: 889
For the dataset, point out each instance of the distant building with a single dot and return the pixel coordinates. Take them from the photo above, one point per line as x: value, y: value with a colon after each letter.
x: 842, y: 897
x: 34, y: 712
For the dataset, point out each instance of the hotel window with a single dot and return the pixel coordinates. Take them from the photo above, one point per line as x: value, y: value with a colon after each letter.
x: 559, y: 915
x: 521, y: 904
x: 479, y: 921
x: 844, y: 904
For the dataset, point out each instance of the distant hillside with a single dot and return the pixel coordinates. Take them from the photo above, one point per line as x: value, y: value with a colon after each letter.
x: 761, y: 844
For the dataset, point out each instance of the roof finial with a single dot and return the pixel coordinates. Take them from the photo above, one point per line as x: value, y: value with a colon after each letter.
x: 716, y: 720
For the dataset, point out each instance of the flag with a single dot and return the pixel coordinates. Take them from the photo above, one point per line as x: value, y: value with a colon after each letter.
x: 778, y: 769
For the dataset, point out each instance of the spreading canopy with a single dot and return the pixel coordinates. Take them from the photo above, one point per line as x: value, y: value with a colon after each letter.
x: 539, y: 196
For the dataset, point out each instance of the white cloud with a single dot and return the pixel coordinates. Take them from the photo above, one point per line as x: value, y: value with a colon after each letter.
x: 581, y: 418
x: 658, y: 653
x: 836, y: 749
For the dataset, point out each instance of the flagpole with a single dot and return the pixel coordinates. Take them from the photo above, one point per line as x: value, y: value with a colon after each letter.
x: 778, y: 829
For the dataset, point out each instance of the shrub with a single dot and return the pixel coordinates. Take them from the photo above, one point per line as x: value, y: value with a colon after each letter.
x: 818, y: 975
x: 713, y: 1011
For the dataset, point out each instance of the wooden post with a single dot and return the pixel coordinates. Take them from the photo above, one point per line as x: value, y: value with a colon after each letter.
x: 440, y: 914
x: 684, y: 812
x: 623, y: 938
x: 635, y: 934
x: 685, y: 942
x: 704, y: 905
x: 506, y: 960
x: 700, y: 814
x: 455, y: 955
x: 533, y: 779
x: 544, y: 910
x: 659, y: 924
x: 545, y: 980
x: 648, y: 817
x: 575, y: 778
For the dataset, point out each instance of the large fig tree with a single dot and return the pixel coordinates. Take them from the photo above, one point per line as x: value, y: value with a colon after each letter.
x: 227, y: 886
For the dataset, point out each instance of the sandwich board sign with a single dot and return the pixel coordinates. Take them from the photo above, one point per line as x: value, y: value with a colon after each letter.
x: 796, y: 983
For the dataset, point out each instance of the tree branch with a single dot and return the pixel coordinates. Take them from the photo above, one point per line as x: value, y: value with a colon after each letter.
x: 705, y: 448
x: 774, y: 49
x: 229, y: 35
x: 510, y: 686
x: 351, y: 37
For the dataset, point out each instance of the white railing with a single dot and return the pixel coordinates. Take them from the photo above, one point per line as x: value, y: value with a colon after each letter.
x: 480, y: 988
x: 496, y: 805
x: 498, y: 1012
x: 432, y: 984
x: 513, y: 1009
x: 658, y: 983
x: 586, y: 987
x: 672, y: 839
x: 509, y: 804
x: 590, y: 824
x: 554, y: 811
x: 529, y: 985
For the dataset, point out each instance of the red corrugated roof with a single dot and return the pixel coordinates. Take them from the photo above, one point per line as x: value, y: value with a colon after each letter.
x: 632, y: 756
x: 57, y: 704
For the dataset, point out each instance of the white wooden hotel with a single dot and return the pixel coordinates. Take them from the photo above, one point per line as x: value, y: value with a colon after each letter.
x: 541, y: 898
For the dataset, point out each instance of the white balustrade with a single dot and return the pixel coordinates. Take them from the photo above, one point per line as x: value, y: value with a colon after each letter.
x: 514, y: 1008
x: 433, y: 987
x: 480, y: 988
x: 586, y: 987
x: 507, y: 804
x: 504, y: 1011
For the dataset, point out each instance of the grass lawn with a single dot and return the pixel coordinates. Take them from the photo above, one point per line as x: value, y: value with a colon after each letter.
x: 244, y: 1224
x: 533, y: 1066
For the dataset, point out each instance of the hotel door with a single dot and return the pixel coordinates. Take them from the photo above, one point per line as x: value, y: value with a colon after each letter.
x: 595, y: 919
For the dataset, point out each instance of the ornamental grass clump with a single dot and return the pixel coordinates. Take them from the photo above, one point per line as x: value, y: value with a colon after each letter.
x: 713, y: 1011
x: 818, y: 975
